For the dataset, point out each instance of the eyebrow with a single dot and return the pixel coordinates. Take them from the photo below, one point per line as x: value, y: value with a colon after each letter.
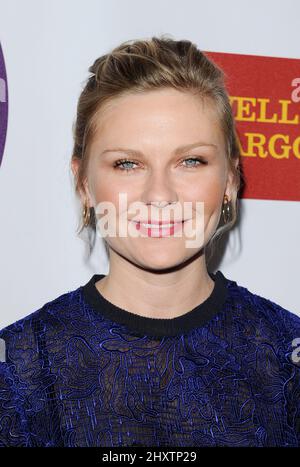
x: 176, y: 151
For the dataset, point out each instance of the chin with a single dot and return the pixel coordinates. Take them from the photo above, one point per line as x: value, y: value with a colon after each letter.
x: 160, y: 259
x: 159, y: 267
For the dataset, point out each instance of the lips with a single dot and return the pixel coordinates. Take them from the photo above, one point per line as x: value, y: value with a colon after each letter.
x: 158, y: 223
x: 159, y: 228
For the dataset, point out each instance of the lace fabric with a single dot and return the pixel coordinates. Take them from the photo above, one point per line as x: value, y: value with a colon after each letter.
x: 77, y: 373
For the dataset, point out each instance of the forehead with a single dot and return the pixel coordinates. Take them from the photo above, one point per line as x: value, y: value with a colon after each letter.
x: 157, y: 117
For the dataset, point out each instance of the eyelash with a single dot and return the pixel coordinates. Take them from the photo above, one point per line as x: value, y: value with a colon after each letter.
x: 119, y: 162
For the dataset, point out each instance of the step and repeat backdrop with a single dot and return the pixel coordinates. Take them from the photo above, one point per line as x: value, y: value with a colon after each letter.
x: 46, y: 49
x: 3, y: 104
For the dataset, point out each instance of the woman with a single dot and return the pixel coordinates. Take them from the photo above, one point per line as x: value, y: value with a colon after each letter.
x: 161, y: 351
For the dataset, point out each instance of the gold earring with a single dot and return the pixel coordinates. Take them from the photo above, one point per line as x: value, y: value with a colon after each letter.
x: 226, y: 209
x: 86, y: 214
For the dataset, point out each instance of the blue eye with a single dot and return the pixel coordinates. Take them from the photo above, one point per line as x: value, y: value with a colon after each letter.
x: 195, y: 159
x: 118, y: 164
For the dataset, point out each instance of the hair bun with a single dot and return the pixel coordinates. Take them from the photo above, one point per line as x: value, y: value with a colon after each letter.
x: 98, y: 63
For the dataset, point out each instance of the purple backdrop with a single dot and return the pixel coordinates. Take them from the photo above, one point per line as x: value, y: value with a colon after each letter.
x: 3, y: 104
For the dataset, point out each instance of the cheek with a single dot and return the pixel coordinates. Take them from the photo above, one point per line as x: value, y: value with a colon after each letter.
x: 106, y: 185
x: 103, y: 188
x: 106, y: 191
x: 208, y: 190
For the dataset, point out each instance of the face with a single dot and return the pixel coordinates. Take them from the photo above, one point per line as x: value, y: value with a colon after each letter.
x: 177, y: 155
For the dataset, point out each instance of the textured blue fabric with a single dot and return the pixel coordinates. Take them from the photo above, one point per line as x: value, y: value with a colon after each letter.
x: 77, y: 375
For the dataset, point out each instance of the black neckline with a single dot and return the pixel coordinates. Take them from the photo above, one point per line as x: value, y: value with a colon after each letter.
x: 159, y: 327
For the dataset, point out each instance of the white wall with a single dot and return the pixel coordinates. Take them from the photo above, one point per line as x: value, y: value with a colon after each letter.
x: 48, y: 46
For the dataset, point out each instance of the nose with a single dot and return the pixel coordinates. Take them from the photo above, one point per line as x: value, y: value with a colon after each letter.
x: 159, y: 190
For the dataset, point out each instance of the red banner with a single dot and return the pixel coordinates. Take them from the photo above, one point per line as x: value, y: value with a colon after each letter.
x: 265, y: 99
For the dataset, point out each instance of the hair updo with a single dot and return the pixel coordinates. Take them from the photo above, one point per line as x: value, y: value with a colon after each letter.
x: 143, y: 65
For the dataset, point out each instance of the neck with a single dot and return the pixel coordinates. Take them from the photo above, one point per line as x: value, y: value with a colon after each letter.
x: 156, y: 294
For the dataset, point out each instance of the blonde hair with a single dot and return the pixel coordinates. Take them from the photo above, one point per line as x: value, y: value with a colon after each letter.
x: 143, y: 65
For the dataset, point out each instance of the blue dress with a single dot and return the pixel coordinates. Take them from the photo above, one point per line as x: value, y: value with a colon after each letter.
x: 81, y: 371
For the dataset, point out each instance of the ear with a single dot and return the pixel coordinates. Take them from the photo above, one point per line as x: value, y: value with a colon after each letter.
x: 230, y: 185
x: 83, y: 187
